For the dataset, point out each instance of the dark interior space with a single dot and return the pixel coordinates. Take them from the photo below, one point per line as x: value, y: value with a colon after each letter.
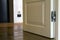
x: 6, y: 11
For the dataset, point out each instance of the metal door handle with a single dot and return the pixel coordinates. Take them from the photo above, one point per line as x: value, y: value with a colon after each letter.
x: 53, y: 16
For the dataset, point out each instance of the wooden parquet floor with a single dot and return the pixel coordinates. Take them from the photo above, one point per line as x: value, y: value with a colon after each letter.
x: 10, y: 31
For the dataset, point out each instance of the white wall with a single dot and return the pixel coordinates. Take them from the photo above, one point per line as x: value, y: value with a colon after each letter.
x: 58, y: 23
x: 18, y: 7
x: 58, y: 19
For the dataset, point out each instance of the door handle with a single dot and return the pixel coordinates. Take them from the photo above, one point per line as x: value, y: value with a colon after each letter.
x: 53, y: 16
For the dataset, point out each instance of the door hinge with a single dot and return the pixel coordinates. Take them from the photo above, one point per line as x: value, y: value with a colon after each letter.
x: 53, y: 16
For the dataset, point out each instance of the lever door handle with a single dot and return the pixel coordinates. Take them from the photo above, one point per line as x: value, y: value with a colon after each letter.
x: 53, y: 16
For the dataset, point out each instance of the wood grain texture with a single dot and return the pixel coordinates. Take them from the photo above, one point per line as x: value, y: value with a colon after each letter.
x: 15, y: 32
x: 10, y: 31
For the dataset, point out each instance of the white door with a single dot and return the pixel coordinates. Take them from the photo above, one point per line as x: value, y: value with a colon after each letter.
x: 36, y: 17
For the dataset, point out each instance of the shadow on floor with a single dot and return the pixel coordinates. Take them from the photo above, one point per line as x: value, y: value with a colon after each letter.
x: 30, y: 36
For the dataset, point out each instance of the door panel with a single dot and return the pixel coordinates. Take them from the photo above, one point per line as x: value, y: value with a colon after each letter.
x: 36, y: 17
x: 35, y: 13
